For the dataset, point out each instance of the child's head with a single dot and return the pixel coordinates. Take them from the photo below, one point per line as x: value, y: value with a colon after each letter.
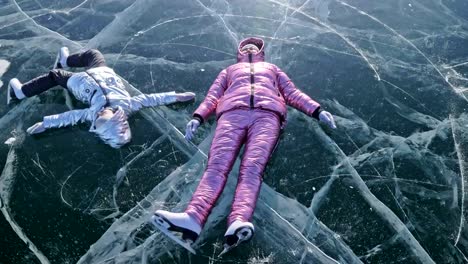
x: 112, y: 127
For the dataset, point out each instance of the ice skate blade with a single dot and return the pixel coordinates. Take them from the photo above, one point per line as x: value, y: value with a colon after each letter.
x: 164, y: 229
x: 10, y: 99
x: 226, y: 250
x: 8, y: 95
x: 56, y: 62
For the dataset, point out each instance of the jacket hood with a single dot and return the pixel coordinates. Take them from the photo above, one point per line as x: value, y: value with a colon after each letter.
x: 115, y: 131
x: 244, y: 57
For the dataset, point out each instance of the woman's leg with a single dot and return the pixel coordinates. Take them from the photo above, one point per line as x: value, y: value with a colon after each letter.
x: 262, y: 137
x: 229, y: 137
x: 91, y: 58
x: 45, y: 82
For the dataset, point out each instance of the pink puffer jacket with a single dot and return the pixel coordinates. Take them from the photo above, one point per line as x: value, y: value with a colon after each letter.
x: 253, y: 83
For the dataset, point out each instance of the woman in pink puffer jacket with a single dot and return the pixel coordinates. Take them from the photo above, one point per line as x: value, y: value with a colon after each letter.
x: 250, y: 99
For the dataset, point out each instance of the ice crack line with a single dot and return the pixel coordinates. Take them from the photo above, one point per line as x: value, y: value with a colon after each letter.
x: 141, y: 32
x: 7, y: 179
x: 319, y: 47
x: 47, y: 29
x: 76, y: 7
x: 412, y: 97
x: 197, y: 46
x: 335, y: 32
x: 380, y: 208
x: 301, y: 235
x: 22, y: 20
x: 456, y: 65
x: 407, y: 41
x: 286, y: 17
x: 122, y: 172
x: 232, y: 34
x: 65, y: 182
x: 462, y: 174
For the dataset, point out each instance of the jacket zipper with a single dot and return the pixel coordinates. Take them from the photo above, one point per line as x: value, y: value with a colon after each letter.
x: 252, y: 82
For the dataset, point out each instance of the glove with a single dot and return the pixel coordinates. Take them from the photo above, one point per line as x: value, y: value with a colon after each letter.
x: 327, y: 118
x: 191, y: 128
x: 36, y: 128
x: 184, y: 97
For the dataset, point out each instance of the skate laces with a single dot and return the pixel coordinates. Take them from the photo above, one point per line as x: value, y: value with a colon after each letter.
x: 245, y: 233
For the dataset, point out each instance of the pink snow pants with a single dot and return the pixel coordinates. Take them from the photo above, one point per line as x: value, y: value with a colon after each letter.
x: 259, y: 131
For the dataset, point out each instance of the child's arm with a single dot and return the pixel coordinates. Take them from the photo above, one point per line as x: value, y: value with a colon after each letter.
x: 60, y: 120
x: 156, y: 99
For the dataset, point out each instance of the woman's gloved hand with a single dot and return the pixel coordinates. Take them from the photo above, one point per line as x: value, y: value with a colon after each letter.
x: 36, y: 128
x: 191, y: 128
x: 327, y: 118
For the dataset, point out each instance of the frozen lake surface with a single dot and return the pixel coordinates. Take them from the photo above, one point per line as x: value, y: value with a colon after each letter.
x: 388, y: 186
